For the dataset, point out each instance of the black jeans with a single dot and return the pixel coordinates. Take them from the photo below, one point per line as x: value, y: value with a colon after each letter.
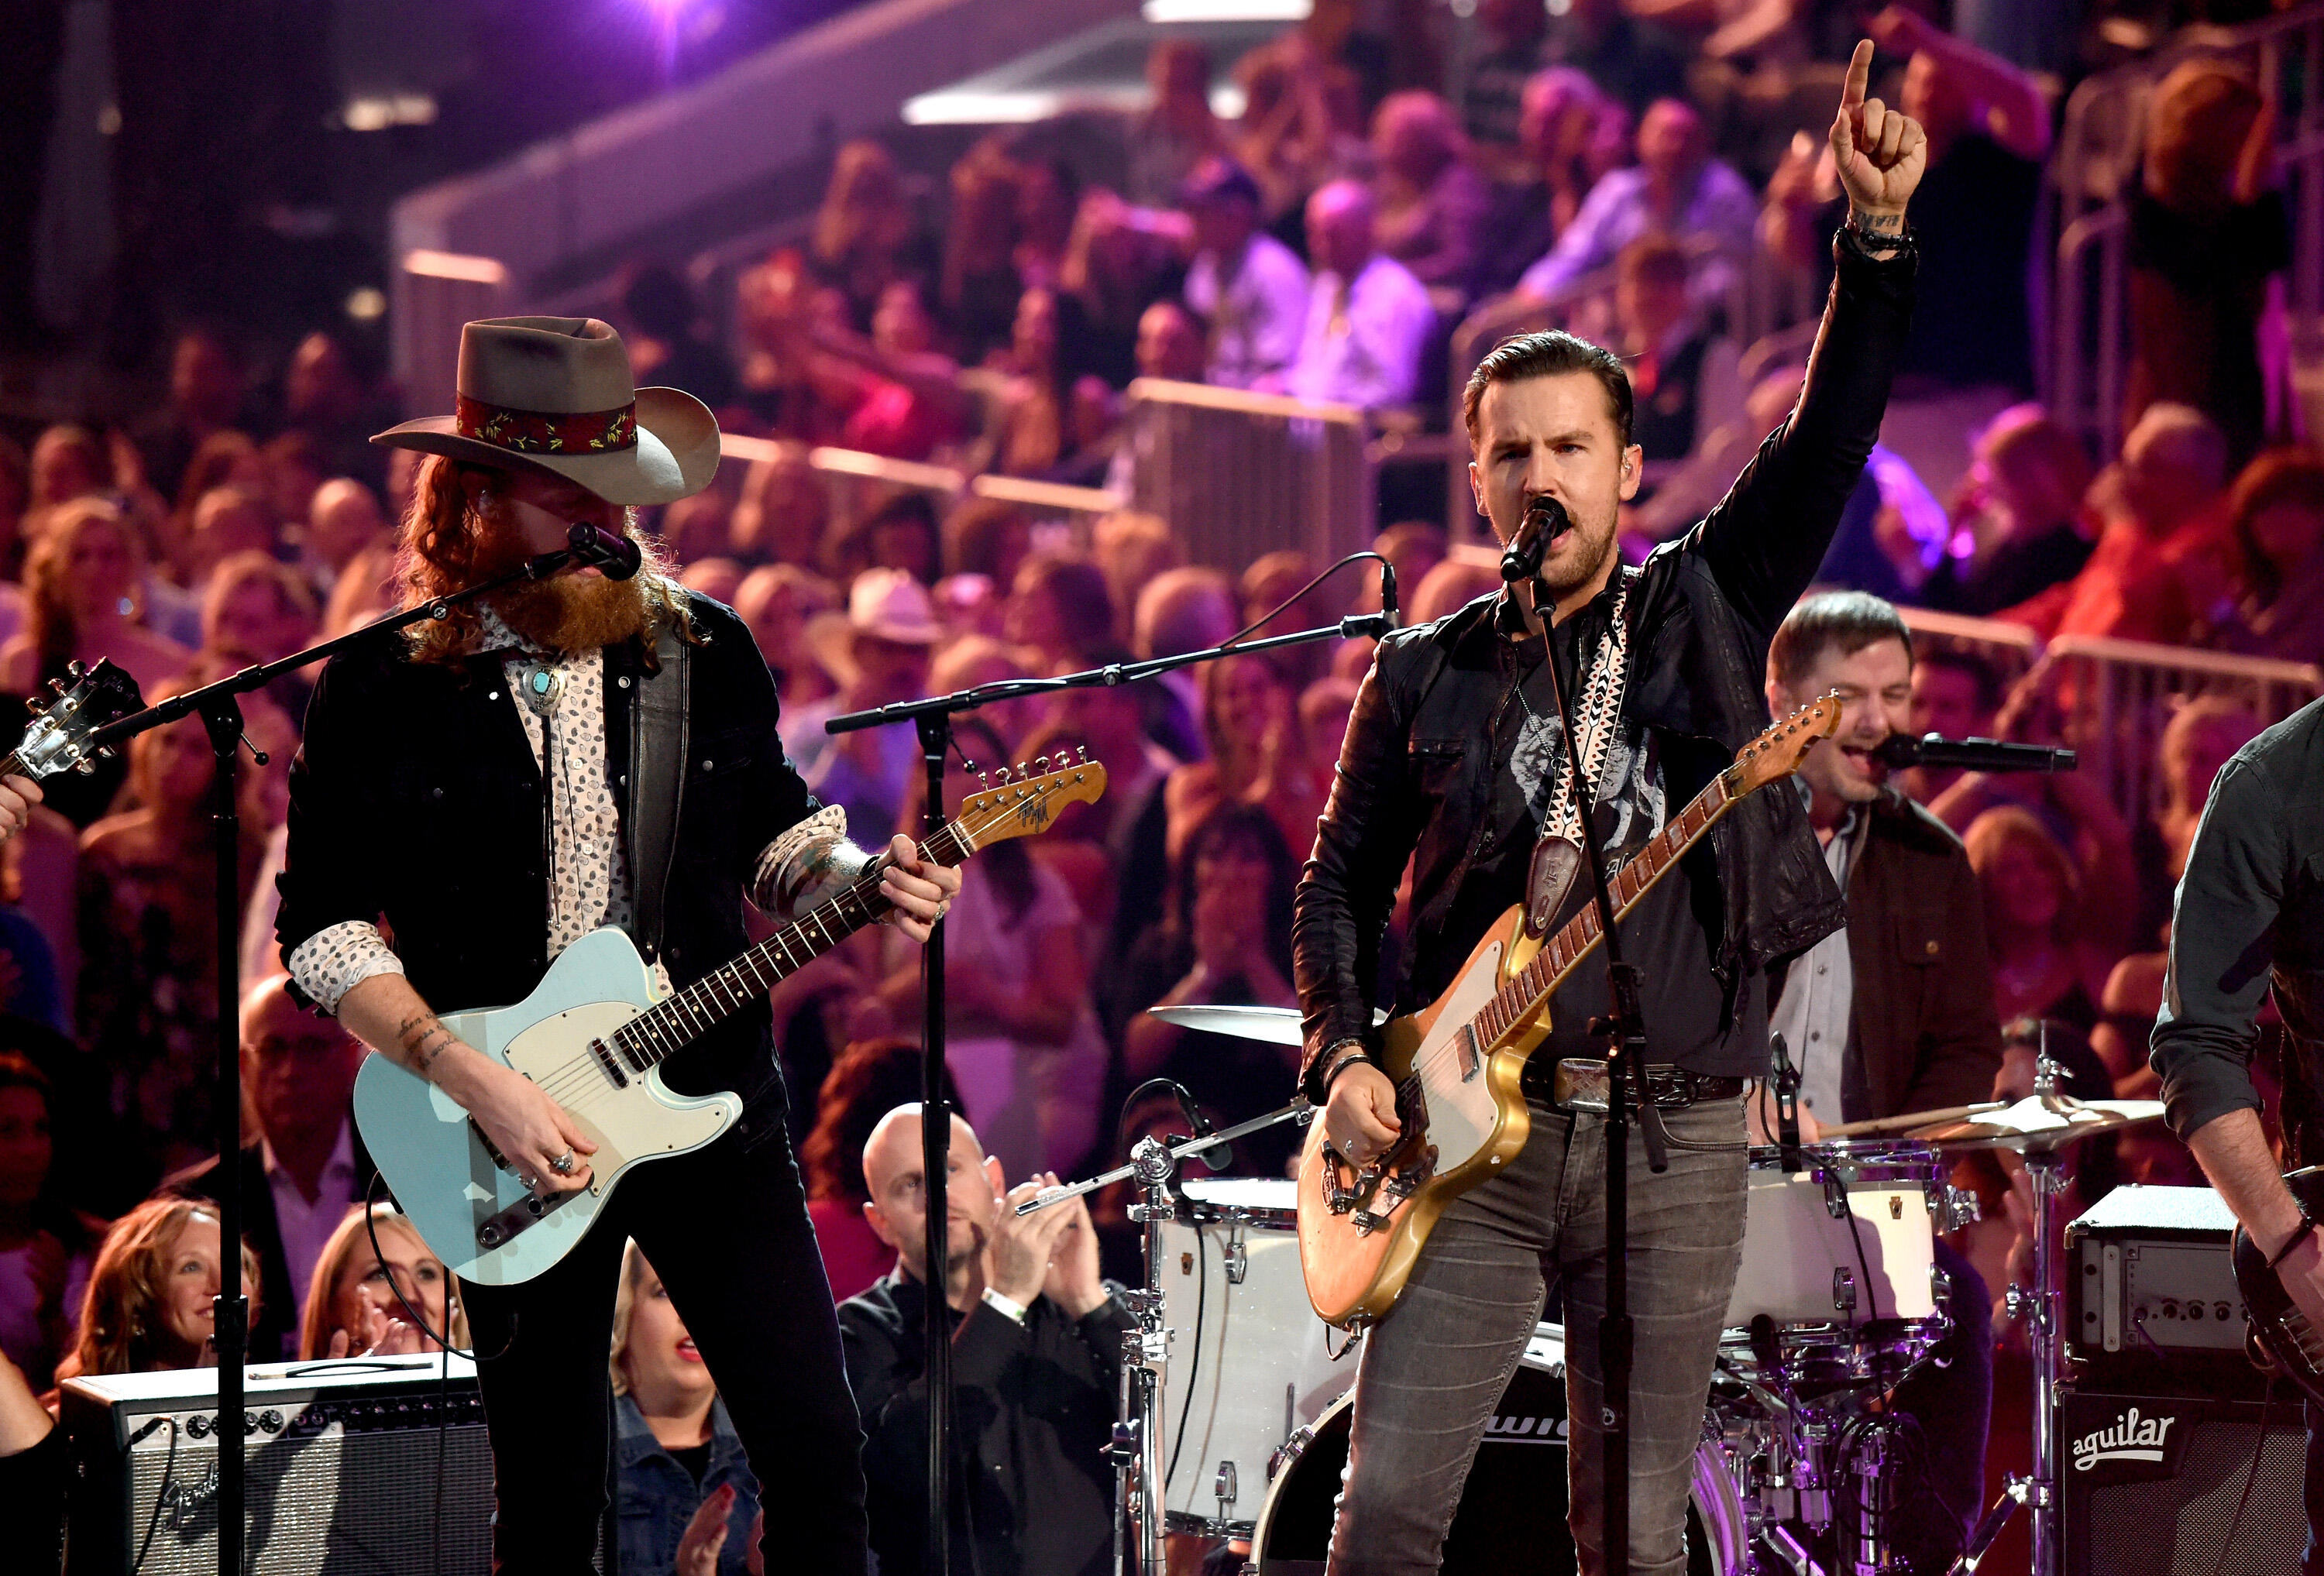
x: 726, y: 1230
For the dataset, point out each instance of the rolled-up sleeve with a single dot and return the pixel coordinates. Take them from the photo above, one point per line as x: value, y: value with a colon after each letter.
x: 2222, y: 949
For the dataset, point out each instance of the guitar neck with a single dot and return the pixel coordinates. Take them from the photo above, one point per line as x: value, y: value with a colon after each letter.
x: 1526, y: 992
x: 670, y: 1026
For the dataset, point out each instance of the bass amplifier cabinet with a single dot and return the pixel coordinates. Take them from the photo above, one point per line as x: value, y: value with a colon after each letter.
x: 2151, y: 1484
x: 2151, y: 1298
x: 366, y: 1466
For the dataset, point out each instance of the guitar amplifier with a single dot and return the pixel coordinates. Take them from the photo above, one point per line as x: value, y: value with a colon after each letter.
x: 2151, y: 1485
x: 2151, y: 1298
x: 363, y: 1465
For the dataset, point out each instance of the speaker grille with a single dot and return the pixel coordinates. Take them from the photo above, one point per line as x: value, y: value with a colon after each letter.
x: 2162, y: 1528
x: 331, y: 1504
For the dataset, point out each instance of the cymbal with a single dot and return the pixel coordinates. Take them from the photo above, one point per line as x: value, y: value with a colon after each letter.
x: 1277, y: 1026
x: 2033, y: 1126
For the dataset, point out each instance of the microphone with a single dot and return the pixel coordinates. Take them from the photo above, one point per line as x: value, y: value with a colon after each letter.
x: 1218, y: 1156
x: 1972, y: 754
x: 617, y: 555
x: 1547, y: 519
x: 1388, y: 609
x: 1786, y: 1078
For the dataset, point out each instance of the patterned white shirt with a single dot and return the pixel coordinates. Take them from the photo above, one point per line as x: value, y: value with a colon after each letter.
x: 560, y: 699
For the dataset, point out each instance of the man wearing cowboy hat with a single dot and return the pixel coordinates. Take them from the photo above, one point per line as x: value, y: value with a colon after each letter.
x: 574, y: 752
x: 879, y: 656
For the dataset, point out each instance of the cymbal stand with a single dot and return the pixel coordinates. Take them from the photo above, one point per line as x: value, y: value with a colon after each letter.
x: 2041, y: 1305
x: 1136, y: 1448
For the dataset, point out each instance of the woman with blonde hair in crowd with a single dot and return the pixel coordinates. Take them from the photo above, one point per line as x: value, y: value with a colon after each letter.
x: 2043, y: 966
x: 148, y: 1304
x: 356, y: 1304
x: 687, y: 1500
x: 1258, y: 755
x: 82, y: 582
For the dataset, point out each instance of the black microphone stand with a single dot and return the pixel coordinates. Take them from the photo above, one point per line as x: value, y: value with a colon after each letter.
x: 933, y: 717
x: 1625, y: 1034
x: 219, y: 707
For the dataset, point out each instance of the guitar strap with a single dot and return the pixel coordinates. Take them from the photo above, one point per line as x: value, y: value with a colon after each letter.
x: 1557, y: 852
x: 657, y: 750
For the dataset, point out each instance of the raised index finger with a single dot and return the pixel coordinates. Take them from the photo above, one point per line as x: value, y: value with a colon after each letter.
x: 1860, y: 76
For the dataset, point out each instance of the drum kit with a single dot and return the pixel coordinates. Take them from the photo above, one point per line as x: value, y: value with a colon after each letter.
x: 1236, y: 1397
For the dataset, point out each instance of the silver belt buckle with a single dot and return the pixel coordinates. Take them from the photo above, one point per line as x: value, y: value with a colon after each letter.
x: 1583, y: 1083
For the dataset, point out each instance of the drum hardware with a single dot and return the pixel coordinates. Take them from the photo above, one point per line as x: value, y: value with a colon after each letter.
x: 1238, y: 1258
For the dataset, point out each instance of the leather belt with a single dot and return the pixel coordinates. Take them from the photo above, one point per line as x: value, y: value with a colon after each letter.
x: 1579, y: 1083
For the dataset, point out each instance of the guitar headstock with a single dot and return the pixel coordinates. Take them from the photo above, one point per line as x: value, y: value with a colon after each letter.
x: 59, y: 738
x: 1777, y: 752
x: 1027, y: 797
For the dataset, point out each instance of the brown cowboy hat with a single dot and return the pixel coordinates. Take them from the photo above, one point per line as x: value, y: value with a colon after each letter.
x: 555, y: 393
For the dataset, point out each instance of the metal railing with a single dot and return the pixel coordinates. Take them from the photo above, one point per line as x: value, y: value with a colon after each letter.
x: 2011, y: 649
x: 857, y: 484
x: 2087, y: 363
x: 1238, y: 474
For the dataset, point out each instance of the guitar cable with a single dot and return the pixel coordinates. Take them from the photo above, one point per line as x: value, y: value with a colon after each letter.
x: 2251, y: 1476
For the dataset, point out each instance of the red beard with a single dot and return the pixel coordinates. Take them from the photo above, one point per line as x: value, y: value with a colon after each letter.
x: 568, y: 612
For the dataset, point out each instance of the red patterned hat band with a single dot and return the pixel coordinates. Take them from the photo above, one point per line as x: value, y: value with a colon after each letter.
x: 578, y: 432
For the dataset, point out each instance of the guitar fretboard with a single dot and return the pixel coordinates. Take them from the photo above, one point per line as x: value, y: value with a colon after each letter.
x: 1526, y: 990
x: 670, y: 1026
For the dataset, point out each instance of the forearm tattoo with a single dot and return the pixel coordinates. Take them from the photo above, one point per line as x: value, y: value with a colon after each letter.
x: 423, y: 1038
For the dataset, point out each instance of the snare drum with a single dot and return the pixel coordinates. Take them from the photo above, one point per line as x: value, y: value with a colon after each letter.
x: 1512, y: 1512
x: 1250, y: 1363
x: 1848, y: 1240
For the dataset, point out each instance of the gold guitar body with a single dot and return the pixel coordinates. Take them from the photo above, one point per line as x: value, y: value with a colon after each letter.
x: 1472, y: 1122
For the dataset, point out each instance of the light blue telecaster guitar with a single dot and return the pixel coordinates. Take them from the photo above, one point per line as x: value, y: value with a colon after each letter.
x: 594, y: 1033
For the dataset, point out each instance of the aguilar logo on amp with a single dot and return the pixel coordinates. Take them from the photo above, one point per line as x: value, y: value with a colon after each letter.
x: 2132, y: 1436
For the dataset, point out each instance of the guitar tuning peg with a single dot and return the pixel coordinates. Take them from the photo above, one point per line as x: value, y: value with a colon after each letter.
x: 1081, y: 755
x: 1002, y: 773
x: 57, y: 685
x: 984, y: 780
x: 73, y: 670
x: 88, y: 764
x: 1041, y: 763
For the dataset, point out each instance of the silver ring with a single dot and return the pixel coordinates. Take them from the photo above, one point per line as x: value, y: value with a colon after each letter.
x: 530, y: 1180
x: 563, y: 1164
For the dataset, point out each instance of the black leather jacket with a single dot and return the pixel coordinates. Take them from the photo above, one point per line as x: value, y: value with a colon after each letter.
x: 1416, y: 773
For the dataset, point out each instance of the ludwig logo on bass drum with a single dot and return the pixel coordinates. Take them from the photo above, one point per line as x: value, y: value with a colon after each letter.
x: 2132, y: 1438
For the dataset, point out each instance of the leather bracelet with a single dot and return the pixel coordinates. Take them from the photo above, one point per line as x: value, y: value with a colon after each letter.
x: 2307, y: 1229
x: 1348, y: 1053
x: 1876, y: 246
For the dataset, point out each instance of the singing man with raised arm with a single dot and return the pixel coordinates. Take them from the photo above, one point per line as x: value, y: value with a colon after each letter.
x: 1451, y: 757
x: 575, y: 753
x: 2249, y: 921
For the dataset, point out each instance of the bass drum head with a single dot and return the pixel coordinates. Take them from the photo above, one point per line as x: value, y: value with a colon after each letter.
x: 1512, y: 1513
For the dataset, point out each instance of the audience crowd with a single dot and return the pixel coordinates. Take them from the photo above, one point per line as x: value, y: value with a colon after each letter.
x: 1625, y: 167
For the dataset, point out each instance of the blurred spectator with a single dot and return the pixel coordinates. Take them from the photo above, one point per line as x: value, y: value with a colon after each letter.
x: 45, y: 1245
x: 1430, y: 199
x: 979, y: 286
x: 295, y: 467
x: 1569, y: 137
x: 1451, y: 586
x: 1048, y: 199
x: 148, y: 1001
x: 883, y: 657
x: 2196, y: 742
x: 206, y: 396
x: 1051, y: 410
x: 1332, y: 46
x: 1956, y: 692
x: 1176, y: 131
x: 1634, y: 62
x: 1019, y: 1035
x: 700, y: 526
x: 1501, y: 61
x: 1302, y: 125
x: 719, y: 579
x: 226, y: 521
x: 1250, y: 720
x: 1324, y: 707
x: 908, y: 400
x: 901, y: 534
x: 1036, y: 1343
x: 1988, y: 129
x: 784, y: 511
x: 2017, y: 526
x: 80, y: 585
x: 260, y: 610
x: 307, y: 1166
x: 343, y: 520
x: 1132, y: 549
x: 1180, y: 610
x: 1170, y: 344
x: 1676, y: 189
x: 149, y: 1305
x: 777, y: 601
x: 865, y: 235
x: 662, y: 326
x: 324, y: 398
x: 978, y: 659
x: 1111, y: 720
x: 1683, y: 374
x: 2207, y: 236
x: 1367, y: 318
x: 1283, y: 584
x: 2161, y: 502
x: 2275, y: 547
x: 363, y: 1303
x: 15, y: 498
x: 1226, y: 939
x: 1249, y: 286
x: 367, y: 587
x: 67, y: 463
x: 867, y: 1081
x: 2041, y: 965
x: 685, y: 1500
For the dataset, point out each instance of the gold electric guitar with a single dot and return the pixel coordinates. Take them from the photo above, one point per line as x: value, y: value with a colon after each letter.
x: 1456, y: 1063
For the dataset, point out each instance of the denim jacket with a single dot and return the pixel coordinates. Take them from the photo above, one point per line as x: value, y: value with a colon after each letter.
x: 658, y: 1497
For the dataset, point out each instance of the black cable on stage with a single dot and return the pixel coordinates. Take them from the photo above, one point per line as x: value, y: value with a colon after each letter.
x: 2251, y: 1476
x: 162, y: 1495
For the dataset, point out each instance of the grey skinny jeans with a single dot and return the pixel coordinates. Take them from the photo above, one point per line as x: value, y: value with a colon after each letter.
x: 1434, y: 1369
